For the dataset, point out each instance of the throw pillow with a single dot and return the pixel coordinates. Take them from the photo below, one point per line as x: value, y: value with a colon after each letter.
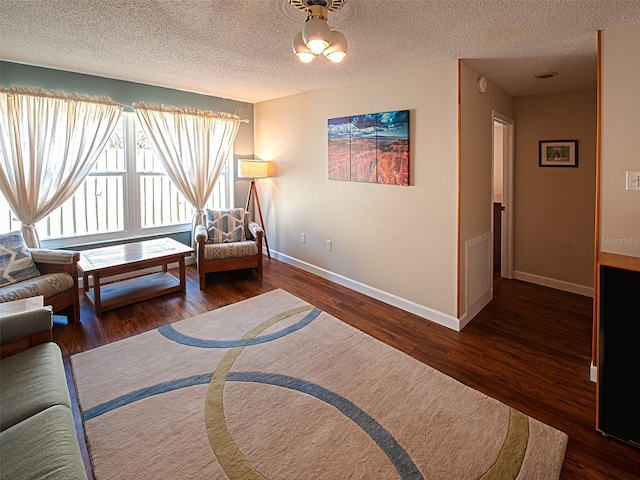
x: 16, y: 263
x: 225, y: 225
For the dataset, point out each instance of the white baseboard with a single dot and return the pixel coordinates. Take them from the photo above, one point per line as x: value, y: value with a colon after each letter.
x: 593, y: 373
x: 389, y: 298
x: 553, y: 283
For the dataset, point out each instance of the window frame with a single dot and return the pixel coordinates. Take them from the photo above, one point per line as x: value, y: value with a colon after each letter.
x: 132, y: 217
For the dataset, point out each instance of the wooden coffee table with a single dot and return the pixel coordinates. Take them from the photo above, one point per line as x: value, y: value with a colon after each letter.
x: 100, y: 263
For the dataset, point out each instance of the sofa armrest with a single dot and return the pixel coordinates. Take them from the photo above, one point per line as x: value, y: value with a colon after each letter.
x: 55, y: 261
x: 200, y: 233
x: 19, y: 331
x: 19, y: 324
x: 256, y: 230
x: 63, y: 257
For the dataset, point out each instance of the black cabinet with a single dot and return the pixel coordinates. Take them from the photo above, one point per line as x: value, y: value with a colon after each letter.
x: 619, y: 354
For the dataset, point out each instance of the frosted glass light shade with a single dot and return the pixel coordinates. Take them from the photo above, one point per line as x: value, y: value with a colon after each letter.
x: 306, y: 57
x: 300, y: 49
x: 337, y: 50
x: 316, y: 35
x: 253, y: 169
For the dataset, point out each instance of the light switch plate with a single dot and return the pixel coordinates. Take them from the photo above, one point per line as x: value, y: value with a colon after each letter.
x: 633, y: 180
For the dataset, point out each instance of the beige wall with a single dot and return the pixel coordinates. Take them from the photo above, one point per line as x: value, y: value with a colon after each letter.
x: 398, y: 242
x: 620, y: 136
x: 476, y: 160
x: 554, y: 207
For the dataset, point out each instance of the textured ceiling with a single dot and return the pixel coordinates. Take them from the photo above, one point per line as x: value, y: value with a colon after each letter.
x: 241, y: 49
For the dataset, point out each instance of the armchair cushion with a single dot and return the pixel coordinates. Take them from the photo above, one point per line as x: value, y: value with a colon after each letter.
x: 218, y: 251
x: 47, y: 285
x: 225, y: 225
x: 16, y: 262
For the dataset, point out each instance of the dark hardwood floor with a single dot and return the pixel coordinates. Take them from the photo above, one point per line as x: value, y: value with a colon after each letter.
x: 529, y: 348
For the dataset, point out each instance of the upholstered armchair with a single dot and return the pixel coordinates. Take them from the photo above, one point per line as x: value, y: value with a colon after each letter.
x: 31, y: 272
x: 228, y: 240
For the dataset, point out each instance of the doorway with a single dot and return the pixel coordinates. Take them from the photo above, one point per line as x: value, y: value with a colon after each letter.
x: 502, y: 190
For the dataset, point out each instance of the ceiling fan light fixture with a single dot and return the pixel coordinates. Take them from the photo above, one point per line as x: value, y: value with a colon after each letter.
x: 316, y: 36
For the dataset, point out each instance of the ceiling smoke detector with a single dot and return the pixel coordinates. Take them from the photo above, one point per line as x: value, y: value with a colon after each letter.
x: 317, y: 36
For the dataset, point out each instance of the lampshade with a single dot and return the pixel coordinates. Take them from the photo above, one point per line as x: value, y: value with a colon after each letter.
x: 253, y: 169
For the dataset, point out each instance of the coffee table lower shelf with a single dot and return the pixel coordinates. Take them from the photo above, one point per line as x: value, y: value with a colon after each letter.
x: 133, y: 290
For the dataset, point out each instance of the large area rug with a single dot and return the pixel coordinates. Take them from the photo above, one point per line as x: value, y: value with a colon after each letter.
x: 274, y: 388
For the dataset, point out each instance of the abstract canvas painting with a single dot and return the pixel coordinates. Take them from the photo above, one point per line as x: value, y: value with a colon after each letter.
x: 372, y: 148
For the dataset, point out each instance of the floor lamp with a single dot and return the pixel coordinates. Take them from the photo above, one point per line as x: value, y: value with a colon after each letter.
x: 255, y: 169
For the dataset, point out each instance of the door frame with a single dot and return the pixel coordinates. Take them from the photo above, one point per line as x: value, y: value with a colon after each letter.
x: 507, y: 233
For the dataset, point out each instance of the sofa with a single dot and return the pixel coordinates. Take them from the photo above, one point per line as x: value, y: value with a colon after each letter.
x: 37, y: 430
x: 28, y: 272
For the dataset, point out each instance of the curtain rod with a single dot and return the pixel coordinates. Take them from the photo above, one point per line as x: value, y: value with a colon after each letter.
x: 188, y: 111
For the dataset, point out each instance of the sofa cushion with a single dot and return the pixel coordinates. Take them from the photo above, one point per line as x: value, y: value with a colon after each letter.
x: 218, y: 251
x: 225, y: 225
x: 16, y: 263
x: 42, y: 446
x: 30, y: 382
x: 47, y: 285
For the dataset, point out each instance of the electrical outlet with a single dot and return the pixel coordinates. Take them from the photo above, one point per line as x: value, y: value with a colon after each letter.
x: 303, y: 238
x: 633, y: 180
x: 329, y: 245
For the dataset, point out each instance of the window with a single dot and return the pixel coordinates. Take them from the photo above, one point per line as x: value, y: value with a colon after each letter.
x: 126, y: 194
x: 97, y: 207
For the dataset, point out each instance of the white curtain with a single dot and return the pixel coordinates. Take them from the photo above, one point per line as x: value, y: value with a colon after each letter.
x: 192, y: 146
x: 48, y: 144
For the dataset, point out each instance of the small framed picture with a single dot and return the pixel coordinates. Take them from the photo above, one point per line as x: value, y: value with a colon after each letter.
x: 558, y: 153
